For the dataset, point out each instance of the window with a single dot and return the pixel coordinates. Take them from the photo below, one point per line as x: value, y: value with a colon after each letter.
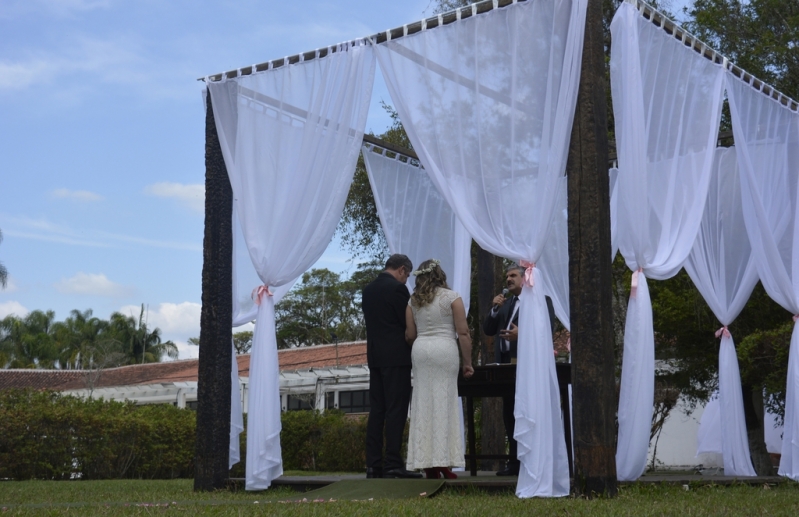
x: 354, y: 401
x: 299, y: 402
x: 330, y: 400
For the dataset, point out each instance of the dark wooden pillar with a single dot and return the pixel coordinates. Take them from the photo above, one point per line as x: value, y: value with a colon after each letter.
x: 493, y: 427
x: 593, y: 362
x: 213, y: 387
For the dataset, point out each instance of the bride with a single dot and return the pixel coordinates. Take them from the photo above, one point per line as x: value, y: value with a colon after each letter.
x: 434, y: 316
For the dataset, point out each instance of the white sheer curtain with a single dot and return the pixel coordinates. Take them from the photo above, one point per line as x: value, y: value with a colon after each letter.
x: 667, y: 104
x: 417, y: 220
x: 488, y: 103
x: 245, y: 279
x: 767, y: 146
x: 722, y: 268
x: 290, y: 137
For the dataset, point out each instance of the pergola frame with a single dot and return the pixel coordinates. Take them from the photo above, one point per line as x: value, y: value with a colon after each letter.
x: 593, y: 360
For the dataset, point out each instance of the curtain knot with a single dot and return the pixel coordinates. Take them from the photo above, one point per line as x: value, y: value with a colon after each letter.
x: 529, y: 279
x: 723, y: 331
x: 258, y: 293
x: 634, y: 282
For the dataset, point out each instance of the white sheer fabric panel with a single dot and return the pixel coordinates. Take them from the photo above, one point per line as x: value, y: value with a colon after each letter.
x: 290, y: 138
x: 722, y: 268
x: 555, y: 260
x: 767, y: 145
x: 708, y: 437
x: 417, y: 220
x: 667, y: 105
x: 245, y: 279
x: 613, y: 174
x: 488, y: 104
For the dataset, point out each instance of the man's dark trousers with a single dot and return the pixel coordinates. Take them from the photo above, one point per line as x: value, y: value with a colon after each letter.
x: 389, y: 396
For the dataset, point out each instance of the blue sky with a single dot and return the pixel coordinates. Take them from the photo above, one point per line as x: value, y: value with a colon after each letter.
x: 102, y: 141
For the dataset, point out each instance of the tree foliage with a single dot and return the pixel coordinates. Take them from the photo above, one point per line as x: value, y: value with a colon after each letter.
x: 81, y: 341
x: 323, y: 306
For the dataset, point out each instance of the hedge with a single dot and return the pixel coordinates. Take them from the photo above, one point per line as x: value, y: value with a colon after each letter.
x: 46, y: 435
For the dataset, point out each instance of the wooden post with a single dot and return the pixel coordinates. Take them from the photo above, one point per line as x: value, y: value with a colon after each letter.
x: 493, y: 427
x: 593, y: 362
x: 214, y: 383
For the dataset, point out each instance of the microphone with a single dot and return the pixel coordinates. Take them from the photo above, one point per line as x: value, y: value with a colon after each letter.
x: 504, y: 295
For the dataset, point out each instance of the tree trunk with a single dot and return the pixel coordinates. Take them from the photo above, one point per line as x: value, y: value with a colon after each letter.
x: 593, y: 362
x: 214, y: 383
x: 753, y: 415
x: 492, y: 427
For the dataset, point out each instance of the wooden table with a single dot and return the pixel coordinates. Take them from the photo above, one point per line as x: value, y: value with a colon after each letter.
x: 498, y: 380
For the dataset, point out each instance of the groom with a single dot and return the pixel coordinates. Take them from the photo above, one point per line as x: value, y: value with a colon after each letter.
x: 389, y: 357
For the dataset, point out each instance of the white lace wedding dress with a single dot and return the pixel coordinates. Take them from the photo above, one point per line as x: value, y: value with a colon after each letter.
x: 435, y: 438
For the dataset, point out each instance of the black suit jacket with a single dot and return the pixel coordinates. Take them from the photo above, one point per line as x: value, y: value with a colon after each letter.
x: 383, y: 304
x: 492, y: 326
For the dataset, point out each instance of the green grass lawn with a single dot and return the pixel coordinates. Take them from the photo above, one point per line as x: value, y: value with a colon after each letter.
x: 176, y: 497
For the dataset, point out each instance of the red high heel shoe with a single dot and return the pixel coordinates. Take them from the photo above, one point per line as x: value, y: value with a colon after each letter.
x: 447, y: 473
x: 431, y: 473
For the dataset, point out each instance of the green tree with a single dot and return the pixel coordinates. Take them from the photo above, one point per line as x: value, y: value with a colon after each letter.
x: 242, y: 342
x: 321, y: 306
x: 139, y: 344
x: 28, y: 342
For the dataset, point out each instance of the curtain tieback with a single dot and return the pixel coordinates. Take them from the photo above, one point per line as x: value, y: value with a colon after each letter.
x: 529, y: 279
x: 795, y: 317
x: 634, y: 282
x: 258, y: 293
x: 723, y: 331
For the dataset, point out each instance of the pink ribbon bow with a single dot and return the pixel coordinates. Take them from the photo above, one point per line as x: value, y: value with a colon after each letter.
x: 634, y: 282
x: 258, y: 293
x: 795, y: 317
x: 529, y: 278
x: 723, y: 331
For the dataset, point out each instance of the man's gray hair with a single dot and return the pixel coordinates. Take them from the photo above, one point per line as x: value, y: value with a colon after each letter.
x: 397, y: 261
x: 517, y: 267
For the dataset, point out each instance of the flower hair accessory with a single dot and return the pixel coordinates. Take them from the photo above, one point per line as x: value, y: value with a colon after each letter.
x: 428, y: 269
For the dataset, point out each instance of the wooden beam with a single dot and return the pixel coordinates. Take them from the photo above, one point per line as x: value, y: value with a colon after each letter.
x: 216, y: 316
x: 593, y: 361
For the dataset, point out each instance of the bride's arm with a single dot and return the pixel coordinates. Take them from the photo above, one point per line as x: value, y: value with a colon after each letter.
x: 410, y: 326
x: 464, y: 338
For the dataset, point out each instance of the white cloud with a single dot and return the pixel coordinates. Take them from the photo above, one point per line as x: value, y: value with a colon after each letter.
x: 78, y: 195
x: 92, y: 284
x: 185, y: 350
x: 177, y: 321
x: 191, y: 196
x: 12, y: 307
x: 43, y: 230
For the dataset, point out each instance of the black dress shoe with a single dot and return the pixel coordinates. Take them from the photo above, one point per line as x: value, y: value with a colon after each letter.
x: 509, y: 471
x: 402, y: 473
x: 374, y: 473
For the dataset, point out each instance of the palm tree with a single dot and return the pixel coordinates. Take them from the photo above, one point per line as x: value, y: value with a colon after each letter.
x: 3, y: 270
x: 81, y: 339
x: 140, y: 345
x: 28, y: 342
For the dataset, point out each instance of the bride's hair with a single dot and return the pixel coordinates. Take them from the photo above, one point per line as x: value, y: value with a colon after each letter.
x: 429, y: 277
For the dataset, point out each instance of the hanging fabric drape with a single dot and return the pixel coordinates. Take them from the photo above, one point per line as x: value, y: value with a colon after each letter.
x: 555, y: 259
x: 245, y: 279
x: 722, y: 268
x: 667, y: 105
x: 416, y: 219
x: 488, y: 103
x: 708, y: 436
x: 767, y: 148
x: 290, y: 137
